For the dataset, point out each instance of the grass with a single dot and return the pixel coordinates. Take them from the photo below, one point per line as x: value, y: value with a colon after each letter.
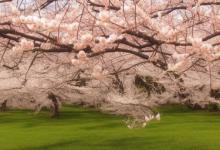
x: 83, y: 129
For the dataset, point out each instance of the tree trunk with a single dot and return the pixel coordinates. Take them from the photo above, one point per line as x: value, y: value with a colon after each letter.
x: 3, y: 106
x: 55, y: 106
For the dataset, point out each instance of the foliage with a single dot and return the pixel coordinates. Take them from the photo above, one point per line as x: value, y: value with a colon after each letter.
x: 213, y: 107
x: 170, y: 34
x: 98, y: 43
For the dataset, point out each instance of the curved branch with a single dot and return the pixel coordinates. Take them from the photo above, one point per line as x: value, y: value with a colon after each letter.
x: 139, y: 54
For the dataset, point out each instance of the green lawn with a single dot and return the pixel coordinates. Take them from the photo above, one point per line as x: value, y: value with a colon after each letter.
x: 83, y: 129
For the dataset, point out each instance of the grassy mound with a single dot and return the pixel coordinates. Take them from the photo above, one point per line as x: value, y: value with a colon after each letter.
x: 83, y: 129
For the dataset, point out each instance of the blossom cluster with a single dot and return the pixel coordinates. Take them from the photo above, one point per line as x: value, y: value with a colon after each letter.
x: 101, y: 26
x: 23, y: 45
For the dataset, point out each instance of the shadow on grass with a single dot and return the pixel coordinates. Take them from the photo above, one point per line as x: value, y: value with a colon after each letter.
x: 71, y: 115
x: 50, y: 146
x: 121, y: 143
x: 126, y: 143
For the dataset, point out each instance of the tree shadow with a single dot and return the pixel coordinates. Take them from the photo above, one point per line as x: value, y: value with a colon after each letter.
x: 80, y: 116
x: 117, y: 143
x: 50, y: 146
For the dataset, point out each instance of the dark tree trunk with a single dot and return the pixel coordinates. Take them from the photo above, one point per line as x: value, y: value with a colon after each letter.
x: 119, y: 84
x: 3, y: 106
x: 55, y: 107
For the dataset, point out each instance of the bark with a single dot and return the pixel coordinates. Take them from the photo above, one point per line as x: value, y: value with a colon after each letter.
x: 3, y: 106
x: 55, y: 106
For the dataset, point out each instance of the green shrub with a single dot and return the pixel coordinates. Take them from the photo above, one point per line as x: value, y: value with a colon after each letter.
x: 213, y: 107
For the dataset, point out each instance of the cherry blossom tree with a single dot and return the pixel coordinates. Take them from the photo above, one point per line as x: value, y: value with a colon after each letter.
x: 172, y: 35
x: 104, y: 38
